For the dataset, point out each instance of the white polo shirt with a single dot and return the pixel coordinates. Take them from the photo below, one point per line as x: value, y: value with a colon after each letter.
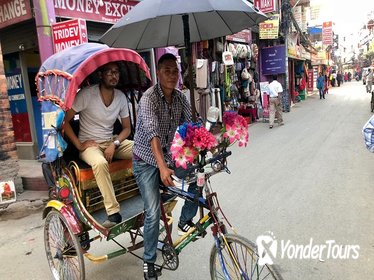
x: 275, y: 88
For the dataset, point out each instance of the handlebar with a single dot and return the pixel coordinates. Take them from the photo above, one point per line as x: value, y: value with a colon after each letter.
x: 183, y: 173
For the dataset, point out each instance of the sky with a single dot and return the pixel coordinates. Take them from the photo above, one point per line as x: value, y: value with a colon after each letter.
x: 348, y: 15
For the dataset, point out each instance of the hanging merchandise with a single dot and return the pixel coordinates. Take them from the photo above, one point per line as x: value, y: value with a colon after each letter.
x: 214, y: 74
x: 201, y: 73
x: 249, y: 51
x: 245, y: 74
x: 254, y: 50
x: 242, y: 51
x: 227, y: 58
x: 233, y: 50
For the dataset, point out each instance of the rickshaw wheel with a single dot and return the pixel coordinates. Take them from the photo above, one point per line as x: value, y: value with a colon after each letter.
x: 62, y: 248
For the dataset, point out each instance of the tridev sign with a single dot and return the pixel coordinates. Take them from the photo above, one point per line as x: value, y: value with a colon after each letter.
x: 69, y: 33
x: 14, y: 11
x: 265, y: 6
x: 109, y: 11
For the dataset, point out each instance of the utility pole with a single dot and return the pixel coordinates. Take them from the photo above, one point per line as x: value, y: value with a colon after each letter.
x: 285, y: 25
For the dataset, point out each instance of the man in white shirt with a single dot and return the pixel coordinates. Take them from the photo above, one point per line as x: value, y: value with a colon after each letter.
x: 275, y: 89
x: 99, y: 106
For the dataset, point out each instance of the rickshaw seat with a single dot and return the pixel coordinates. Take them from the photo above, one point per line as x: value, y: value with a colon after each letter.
x: 118, y: 169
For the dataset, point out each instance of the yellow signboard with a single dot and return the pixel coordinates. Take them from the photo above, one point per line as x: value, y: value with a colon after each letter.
x: 269, y: 29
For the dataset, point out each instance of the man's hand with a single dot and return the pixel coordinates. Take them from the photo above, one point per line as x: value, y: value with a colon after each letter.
x: 89, y: 143
x: 109, y: 152
x: 165, y: 174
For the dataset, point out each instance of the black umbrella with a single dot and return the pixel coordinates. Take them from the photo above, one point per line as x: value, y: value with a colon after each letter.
x: 161, y: 23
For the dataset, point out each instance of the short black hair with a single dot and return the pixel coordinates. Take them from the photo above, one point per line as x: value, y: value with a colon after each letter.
x: 275, y: 77
x: 103, y: 68
x: 164, y: 57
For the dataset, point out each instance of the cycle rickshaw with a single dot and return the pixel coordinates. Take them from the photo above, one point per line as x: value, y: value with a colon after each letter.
x: 76, y: 206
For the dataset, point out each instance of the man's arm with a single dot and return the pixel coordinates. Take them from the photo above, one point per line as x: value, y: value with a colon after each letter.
x: 126, y: 129
x: 165, y: 171
x: 71, y: 135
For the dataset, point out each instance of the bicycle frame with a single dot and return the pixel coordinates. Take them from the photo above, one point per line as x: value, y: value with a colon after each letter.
x: 210, y: 203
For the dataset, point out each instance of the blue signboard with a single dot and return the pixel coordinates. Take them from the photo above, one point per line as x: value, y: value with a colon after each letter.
x: 273, y: 60
x: 16, y: 92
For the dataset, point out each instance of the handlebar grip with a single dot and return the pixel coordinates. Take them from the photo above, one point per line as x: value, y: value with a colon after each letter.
x: 182, y: 173
x: 220, y: 156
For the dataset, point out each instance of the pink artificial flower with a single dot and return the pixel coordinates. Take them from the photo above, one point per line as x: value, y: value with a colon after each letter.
x: 203, y: 139
x: 189, y: 153
x: 229, y: 118
x: 243, y: 139
x: 181, y: 160
x: 177, y: 144
x: 230, y: 133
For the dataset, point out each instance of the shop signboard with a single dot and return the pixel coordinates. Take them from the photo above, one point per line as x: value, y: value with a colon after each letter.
x: 69, y: 33
x: 273, y: 60
x: 244, y: 36
x: 265, y: 6
x: 14, y: 11
x: 109, y: 11
x: 327, y: 33
x: 18, y: 105
x: 269, y: 29
x: 7, y: 192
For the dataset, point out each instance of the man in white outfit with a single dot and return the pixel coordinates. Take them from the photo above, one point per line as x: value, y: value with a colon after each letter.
x: 275, y: 89
x: 99, y: 106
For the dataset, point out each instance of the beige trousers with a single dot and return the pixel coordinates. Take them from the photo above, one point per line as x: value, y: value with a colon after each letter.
x: 275, y: 109
x: 94, y: 156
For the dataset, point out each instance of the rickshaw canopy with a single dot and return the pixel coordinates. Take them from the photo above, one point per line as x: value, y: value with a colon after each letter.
x: 63, y: 73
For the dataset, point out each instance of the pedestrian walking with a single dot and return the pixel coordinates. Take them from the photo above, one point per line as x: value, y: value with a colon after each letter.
x: 321, y: 85
x: 339, y: 78
x: 275, y: 89
x: 326, y: 85
x: 369, y: 80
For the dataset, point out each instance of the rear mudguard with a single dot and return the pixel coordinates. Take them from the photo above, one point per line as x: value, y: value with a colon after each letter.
x: 65, y: 211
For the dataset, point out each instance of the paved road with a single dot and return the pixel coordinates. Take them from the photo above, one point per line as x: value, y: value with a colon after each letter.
x: 308, y: 182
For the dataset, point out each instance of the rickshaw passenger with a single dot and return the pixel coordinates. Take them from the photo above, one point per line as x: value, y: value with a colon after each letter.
x: 99, y: 106
x: 161, y: 110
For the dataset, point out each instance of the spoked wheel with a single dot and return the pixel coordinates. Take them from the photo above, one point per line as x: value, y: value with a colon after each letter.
x: 62, y: 247
x: 240, y: 260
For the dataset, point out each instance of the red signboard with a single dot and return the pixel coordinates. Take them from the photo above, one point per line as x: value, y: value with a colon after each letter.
x: 109, y: 11
x: 69, y: 33
x: 327, y: 33
x: 265, y: 6
x: 244, y: 36
x: 310, y: 80
x: 14, y: 11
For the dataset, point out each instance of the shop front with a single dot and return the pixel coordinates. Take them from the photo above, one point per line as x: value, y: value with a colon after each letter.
x: 28, y: 37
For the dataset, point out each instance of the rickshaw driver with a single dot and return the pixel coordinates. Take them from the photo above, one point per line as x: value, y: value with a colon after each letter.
x: 99, y: 106
x: 161, y: 110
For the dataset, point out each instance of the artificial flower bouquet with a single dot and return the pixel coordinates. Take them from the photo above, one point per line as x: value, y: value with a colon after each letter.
x: 193, y: 138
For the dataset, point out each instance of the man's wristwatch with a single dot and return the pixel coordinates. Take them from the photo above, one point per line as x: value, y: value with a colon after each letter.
x: 116, y: 143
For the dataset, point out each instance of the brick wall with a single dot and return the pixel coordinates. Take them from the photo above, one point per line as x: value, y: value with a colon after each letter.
x: 9, y: 166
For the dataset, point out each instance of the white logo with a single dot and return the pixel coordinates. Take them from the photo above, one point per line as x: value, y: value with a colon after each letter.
x: 267, y: 248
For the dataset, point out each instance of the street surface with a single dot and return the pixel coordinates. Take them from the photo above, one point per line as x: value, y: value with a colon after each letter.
x: 309, y: 182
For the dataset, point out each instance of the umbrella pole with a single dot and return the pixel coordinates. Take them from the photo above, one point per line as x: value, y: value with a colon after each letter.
x: 187, y: 43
